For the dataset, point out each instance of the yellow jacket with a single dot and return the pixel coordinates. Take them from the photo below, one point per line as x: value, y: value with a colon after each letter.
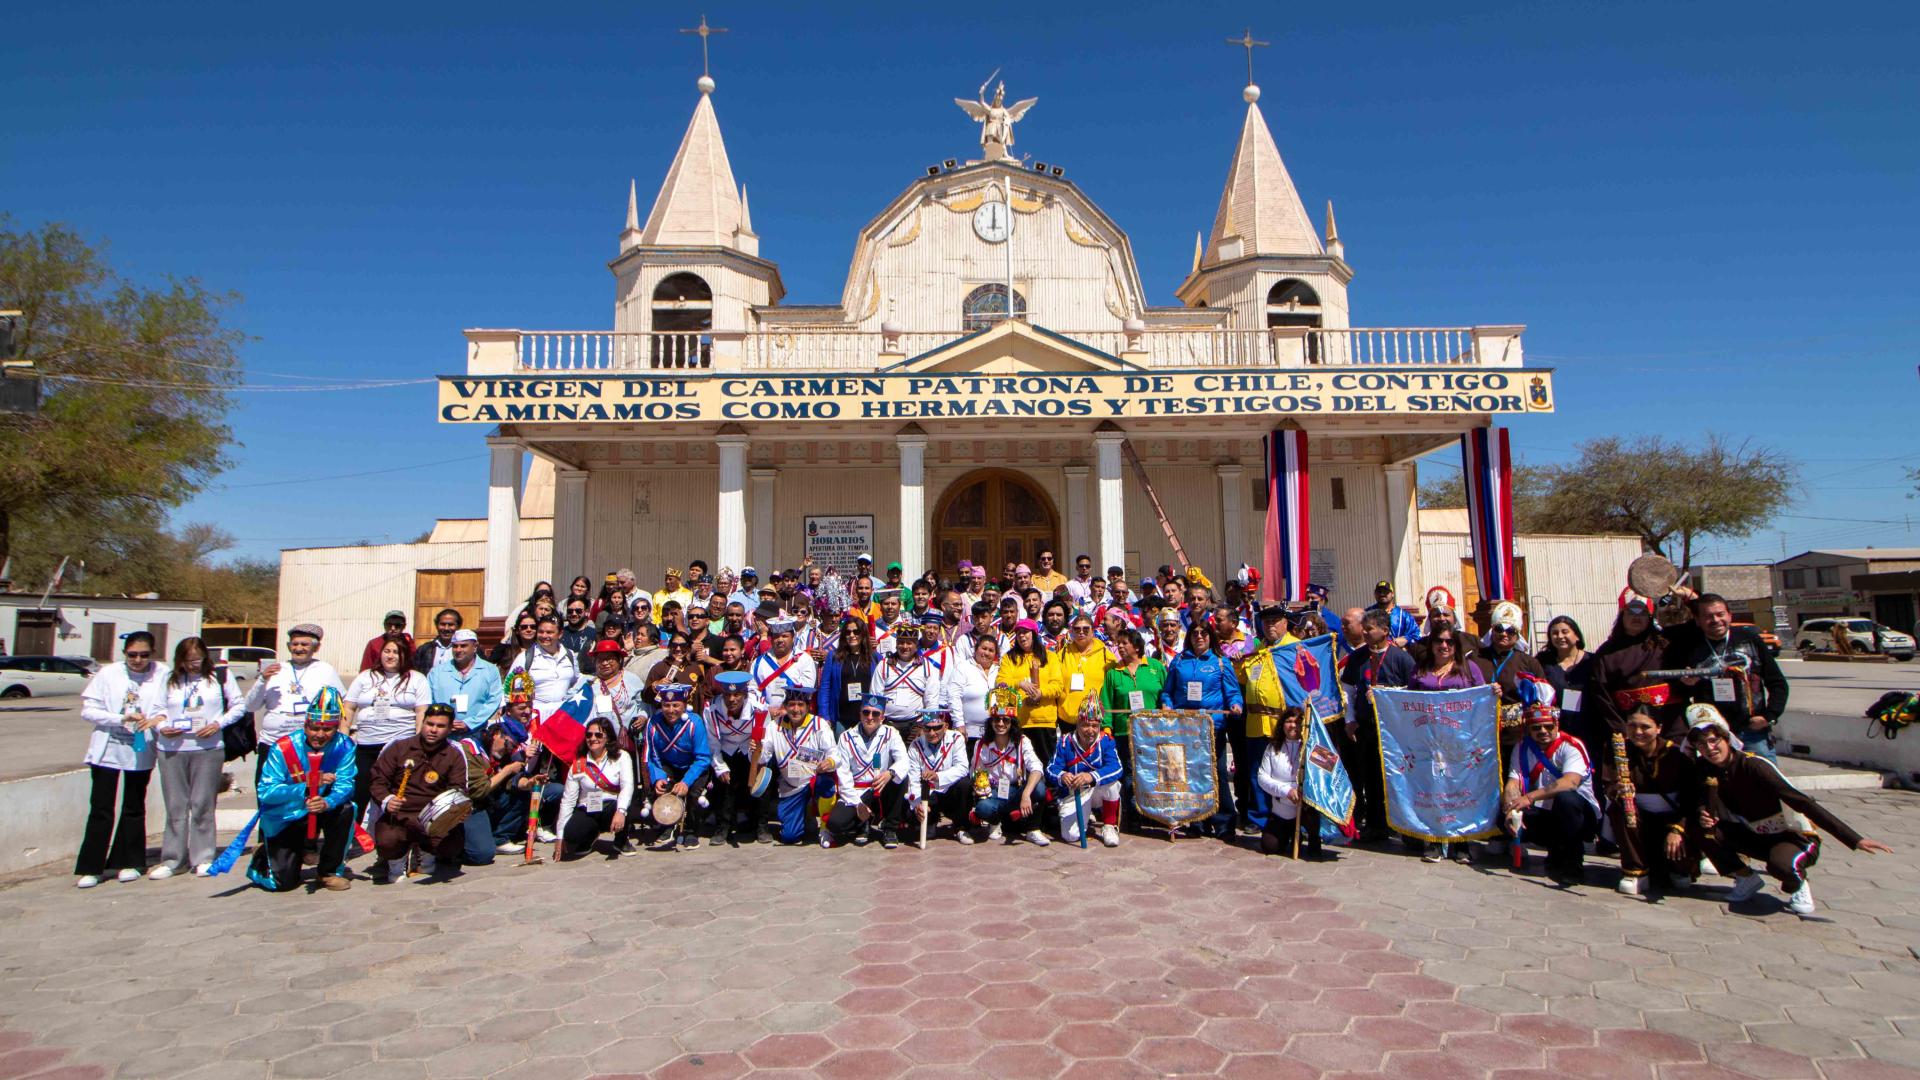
x: 1091, y: 666
x: 1044, y: 710
x: 1260, y: 687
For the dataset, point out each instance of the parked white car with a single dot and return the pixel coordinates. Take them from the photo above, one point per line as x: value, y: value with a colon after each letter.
x: 243, y: 661
x: 40, y: 676
x: 1816, y: 635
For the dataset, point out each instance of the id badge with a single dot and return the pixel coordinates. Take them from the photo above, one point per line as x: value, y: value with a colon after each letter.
x: 1723, y: 689
x: 1076, y: 682
x: 853, y: 691
x: 1136, y: 700
x: 1002, y: 787
x: 1193, y: 691
x: 459, y: 703
x: 1569, y: 700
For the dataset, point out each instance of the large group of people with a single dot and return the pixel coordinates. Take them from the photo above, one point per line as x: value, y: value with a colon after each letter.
x: 983, y: 707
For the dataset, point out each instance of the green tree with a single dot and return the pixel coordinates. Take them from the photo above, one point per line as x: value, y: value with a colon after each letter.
x: 1670, y: 494
x: 135, y: 382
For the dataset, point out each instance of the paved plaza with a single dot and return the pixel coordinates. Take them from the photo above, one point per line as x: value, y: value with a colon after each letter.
x: 1155, y: 959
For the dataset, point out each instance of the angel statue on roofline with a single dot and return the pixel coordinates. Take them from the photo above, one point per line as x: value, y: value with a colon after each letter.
x: 996, y: 118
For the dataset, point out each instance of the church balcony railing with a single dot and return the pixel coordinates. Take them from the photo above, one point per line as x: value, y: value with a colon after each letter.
x: 508, y: 351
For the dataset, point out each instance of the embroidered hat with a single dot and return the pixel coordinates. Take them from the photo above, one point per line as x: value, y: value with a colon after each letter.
x: 1440, y: 598
x: 672, y: 692
x: 732, y: 682
x: 1634, y: 602
x: 1507, y: 616
x: 1317, y: 592
x: 780, y: 626
x: 519, y: 687
x: 325, y: 709
x: 1702, y: 715
x: 874, y: 701
x: 794, y: 691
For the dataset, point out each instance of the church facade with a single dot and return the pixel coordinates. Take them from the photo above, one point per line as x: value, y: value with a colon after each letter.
x: 991, y: 381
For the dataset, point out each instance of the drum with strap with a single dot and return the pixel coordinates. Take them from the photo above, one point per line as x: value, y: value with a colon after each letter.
x: 445, y: 813
x: 668, y: 809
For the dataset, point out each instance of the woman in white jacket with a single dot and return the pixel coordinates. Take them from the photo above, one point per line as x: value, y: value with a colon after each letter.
x: 123, y: 703
x: 599, y: 789
x: 969, y: 685
x: 199, y: 702
x: 1279, y: 777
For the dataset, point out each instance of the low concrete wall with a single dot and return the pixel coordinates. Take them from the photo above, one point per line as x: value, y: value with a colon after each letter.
x: 42, y: 817
x: 1843, y: 740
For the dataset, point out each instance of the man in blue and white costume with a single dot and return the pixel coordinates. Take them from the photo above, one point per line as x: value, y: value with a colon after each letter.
x: 1085, y: 770
x: 679, y: 758
x: 801, y: 754
x: 306, y: 793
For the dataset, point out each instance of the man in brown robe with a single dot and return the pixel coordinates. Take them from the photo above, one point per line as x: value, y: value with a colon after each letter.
x: 409, y: 775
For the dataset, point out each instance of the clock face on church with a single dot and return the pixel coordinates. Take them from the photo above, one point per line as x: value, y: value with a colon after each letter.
x: 992, y: 222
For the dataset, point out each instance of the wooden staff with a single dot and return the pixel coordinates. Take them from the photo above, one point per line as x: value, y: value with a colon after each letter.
x: 1627, y: 806
x: 534, y: 795
x: 313, y: 791
x: 399, y: 795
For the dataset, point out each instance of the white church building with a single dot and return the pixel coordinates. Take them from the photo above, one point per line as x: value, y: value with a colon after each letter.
x: 976, y: 391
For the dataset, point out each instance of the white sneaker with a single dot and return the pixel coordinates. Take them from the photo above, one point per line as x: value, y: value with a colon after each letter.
x: 160, y: 873
x: 962, y: 835
x: 128, y: 876
x: 1744, y: 887
x: 1632, y: 885
x: 994, y: 833
x: 545, y: 836
x: 510, y: 849
x: 1801, y: 902
x: 205, y: 869
x: 87, y: 881
x: 1110, y: 836
x: 1038, y: 838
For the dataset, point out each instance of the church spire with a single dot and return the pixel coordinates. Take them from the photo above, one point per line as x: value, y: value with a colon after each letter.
x: 630, y: 236
x: 699, y: 204
x: 1260, y: 211
x: 1334, y: 247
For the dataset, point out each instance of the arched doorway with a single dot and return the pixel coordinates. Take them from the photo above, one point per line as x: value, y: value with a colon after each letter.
x: 991, y: 517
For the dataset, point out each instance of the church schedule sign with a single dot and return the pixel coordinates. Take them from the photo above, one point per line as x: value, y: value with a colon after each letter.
x: 722, y: 398
x: 838, y: 540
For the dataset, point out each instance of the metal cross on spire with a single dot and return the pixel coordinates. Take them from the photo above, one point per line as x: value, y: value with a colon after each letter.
x: 705, y: 32
x: 1245, y: 41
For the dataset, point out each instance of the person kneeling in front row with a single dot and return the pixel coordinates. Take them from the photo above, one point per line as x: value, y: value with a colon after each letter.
x: 1279, y: 776
x: 1550, y: 783
x: 598, y: 791
x: 938, y: 782
x: 1086, y: 772
x: 306, y: 794
x: 800, y: 752
x: 1748, y: 808
x: 871, y: 783
x: 679, y: 760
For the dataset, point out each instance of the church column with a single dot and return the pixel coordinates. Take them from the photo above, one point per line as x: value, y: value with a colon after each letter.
x: 731, y: 548
x: 1076, y: 538
x: 569, y: 526
x: 1233, y: 521
x: 760, y: 549
x: 503, y: 528
x: 1113, y: 510
x: 1403, y: 541
x: 913, y: 506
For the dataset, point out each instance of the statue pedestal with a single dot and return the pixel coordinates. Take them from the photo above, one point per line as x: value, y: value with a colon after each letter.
x: 993, y: 151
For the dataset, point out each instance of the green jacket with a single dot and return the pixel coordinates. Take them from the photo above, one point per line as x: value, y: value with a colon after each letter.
x: 1116, y: 692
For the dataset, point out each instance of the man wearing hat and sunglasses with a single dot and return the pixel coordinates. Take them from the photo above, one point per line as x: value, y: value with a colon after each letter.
x: 1550, y: 786
x: 306, y: 794
x: 736, y: 724
x: 870, y: 783
x: 679, y: 761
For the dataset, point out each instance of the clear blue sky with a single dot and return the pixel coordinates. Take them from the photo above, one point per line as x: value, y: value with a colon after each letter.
x: 1716, y: 204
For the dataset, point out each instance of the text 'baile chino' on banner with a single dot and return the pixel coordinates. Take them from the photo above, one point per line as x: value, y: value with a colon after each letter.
x: 902, y: 397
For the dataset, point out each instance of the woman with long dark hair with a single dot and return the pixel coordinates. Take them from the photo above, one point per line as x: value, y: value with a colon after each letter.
x: 200, y: 701
x: 521, y: 635
x: 1007, y: 777
x: 1570, y: 668
x: 382, y: 705
x: 1029, y: 670
x: 598, y: 791
x: 847, y: 675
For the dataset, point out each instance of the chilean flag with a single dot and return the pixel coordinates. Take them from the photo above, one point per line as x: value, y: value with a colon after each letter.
x: 1487, y: 466
x: 1285, y: 562
x: 565, y: 728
